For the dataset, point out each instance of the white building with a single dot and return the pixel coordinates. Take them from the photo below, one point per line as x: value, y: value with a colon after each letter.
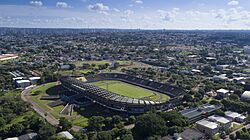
x: 224, y: 93
x: 34, y: 80
x: 235, y: 116
x: 245, y: 96
x: 221, y: 77
x: 208, y: 127
x: 225, y: 123
x: 23, y: 83
x: 66, y: 135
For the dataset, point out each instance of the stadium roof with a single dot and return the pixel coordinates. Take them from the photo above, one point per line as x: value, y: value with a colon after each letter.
x: 96, y: 91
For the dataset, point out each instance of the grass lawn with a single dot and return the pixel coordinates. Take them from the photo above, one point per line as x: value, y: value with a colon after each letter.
x: 235, y: 126
x: 11, y: 93
x: 20, y: 118
x: 216, y: 137
x: 80, y: 121
x: 246, y: 70
x: 42, y: 92
x: 80, y: 63
x: 130, y: 90
x: 55, y: 111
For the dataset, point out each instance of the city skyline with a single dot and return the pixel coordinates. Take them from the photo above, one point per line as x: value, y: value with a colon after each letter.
x: 126, y: 14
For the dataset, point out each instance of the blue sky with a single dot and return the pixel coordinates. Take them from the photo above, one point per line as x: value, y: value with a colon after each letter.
x: 144, y: 14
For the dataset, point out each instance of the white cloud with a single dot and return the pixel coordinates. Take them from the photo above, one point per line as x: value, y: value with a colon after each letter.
x: 36, y: 3
x: 62, y: 5
x: 232, y: 15
x: 138, y: 1
x: 127, y: 14
x: 168, y: 16
x: 98, y: 7
x: 116, y: 10
x: 233, y: 3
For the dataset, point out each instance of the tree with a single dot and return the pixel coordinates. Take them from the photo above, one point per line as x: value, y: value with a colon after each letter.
x: 237, y: 134
x: 2, y: 122
x: 85, y: 66
x: 17, y: 129
x: 35, y: 122
x: 231, y: 136
x: 174, y: 118
x: 96, y: 123
x: 81, y: 136
x: 108, y: 122
x: 148, y: 125
x: 104, y: 135
x: 65, y: 124
x: 174, y: 129
x: 72, y: 66
x: 131, y: 119
x: 46, y: 131
x: 117, y: 119
x: 215, y: 102
x: 127, y: 137
x: 220, y: 112
x: 187, y: 98
x: 234, y: 97
x: 198, y: 96
x: 244, y: 129
x: 207, y: 69
x: 238, y: 92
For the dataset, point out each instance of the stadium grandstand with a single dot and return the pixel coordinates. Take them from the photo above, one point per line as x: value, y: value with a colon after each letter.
x: 119, y: 102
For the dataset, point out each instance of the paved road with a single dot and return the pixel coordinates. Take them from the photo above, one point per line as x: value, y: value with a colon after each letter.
x: 45, y: 114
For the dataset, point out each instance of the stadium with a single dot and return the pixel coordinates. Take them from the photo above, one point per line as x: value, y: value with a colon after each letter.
x: 125, y: 93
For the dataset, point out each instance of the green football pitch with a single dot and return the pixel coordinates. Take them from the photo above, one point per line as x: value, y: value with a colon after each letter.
x: 129, y: 90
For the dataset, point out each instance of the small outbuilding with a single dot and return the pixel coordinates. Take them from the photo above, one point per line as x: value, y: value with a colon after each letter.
x: 245, y: 96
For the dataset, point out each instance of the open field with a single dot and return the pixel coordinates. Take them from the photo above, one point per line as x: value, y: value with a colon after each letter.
x: 246, y: 70
x: 80, y: 63
x: 235, y: 126
x: 53, y: 89
x: 129, y: 90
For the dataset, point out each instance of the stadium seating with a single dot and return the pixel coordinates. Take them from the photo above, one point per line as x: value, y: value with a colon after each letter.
x: 118, y: 102
x: 170, y: 90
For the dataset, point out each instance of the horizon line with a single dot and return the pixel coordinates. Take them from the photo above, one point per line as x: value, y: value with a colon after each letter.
x: 145, y: 29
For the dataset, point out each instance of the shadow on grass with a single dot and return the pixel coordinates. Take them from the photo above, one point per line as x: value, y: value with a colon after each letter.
x: 97, y: 110
x: 56, y: 90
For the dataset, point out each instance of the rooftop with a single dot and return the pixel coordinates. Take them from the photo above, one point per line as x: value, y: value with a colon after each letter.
x: 208, y: 124
x: 224, y: 91
x: 190, y: 134
x: 219, y: 119
x: 192, y: 112
x: 246, y: 95
x: 66, y: 134
x: 22, y: 81
x: 232, y: 114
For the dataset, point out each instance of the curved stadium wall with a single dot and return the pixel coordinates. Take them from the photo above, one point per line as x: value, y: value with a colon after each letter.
x: 121, y: 103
